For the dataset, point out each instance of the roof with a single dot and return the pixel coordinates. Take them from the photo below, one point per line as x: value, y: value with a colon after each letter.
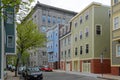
x: 90, y: 5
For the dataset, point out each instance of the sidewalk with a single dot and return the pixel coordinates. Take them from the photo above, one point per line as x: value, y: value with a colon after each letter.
x: 105, y: 76
x: 11, y: 76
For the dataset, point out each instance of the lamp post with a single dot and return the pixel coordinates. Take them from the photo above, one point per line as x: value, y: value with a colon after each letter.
x: 101, y: 61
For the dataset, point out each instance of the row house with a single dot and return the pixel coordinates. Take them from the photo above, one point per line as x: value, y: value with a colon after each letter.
x: 7, y: 36
x: 46, y: 16
x: 90, y: 39
x: 65, y: 47
x: 53, y: 46
x: 115, y: 37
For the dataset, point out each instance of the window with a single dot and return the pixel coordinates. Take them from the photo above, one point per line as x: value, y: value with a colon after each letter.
x: 54, y: 19
x: 63, y: 20
x: 80, y: 49
x: 98, y: 29
x: 65, y: 53
x: 86, y: 16
x: 49, y: 19
x: 10, y: 41
x: 115, y: 1
x: 86, y: 32
x: 56, y: 45
x: 116, y: 23
x: 34, y: 53
x: 118, y: 50
x: 43, y: 28
x: 69, y: 40
x: 75, y: 51
x: 43, y: 18
x: 59, y: 20
x: 10, y: 18
x: 87, y: 48
x: 81, y: 20
x: 69, y: 53
x: 80, y: 34
x: 75, y: 24
x: 65, y: 41
x: 44, y: 53
x: 61, y: 54
x: 75, y: 38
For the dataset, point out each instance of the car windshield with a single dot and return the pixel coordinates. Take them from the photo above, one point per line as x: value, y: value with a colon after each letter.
x: 33, y: 69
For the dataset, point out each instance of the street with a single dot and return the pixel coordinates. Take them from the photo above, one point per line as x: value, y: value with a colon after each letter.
x: 65, y: 76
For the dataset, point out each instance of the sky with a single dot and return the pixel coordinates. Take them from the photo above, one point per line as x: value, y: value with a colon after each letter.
x: 72, y: 5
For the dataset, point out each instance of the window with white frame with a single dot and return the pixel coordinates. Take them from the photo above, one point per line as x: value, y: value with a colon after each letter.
x: 54, y: 19
x: 98, y: 30
x: 63, y: 20
x: 69, y: 53
x: 80, y: 34
x: 10, y: 18
x: 43, y: 18
x: 10, y: 41
x: 69, y: 40
x: 87, y: 48
x: 81, y: 20
x: 75, y: 24
x: 76, y: 51
x: 116, y: 1
x: 59, y: 20
x: 116, y: 23
x: 86, y: 32
x: 49, y: 19
x: 81, y: 50
x: 86, y: 16
x: 118, y: 50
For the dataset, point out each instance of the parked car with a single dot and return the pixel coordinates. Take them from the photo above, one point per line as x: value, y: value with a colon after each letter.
x: 13, y: 68
x: 33, y: 73
x: 20, y: 69
x: 46, y: 68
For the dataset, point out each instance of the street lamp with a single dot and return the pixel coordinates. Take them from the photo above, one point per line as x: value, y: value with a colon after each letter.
x: 101, y: 60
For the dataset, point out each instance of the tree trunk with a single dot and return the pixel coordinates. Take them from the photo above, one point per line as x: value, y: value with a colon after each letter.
x: 16, y: 66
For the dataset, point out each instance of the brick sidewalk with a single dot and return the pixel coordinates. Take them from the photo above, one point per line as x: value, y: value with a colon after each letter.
x: 11, y: 76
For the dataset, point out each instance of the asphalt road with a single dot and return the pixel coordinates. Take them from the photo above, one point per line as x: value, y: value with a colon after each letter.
x: 65, y: 76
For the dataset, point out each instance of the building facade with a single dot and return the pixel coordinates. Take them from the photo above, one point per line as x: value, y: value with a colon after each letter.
x: 90, y: 36
x: 46, y: 16
x: 65, y: 47
x: 53, y: 46
x: 115, y: 37
x: 7, y: 36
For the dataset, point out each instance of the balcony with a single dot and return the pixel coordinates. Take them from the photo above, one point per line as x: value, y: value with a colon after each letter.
x: 116, y: 8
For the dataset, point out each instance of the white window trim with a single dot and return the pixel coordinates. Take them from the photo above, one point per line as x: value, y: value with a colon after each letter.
x: 12, y: 41
x: 100, y: 28
x: 117, y: 50
x: 118, y: 22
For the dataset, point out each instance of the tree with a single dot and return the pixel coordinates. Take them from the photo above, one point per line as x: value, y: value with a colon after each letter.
x: 28, y: 37
x: 22, y: 7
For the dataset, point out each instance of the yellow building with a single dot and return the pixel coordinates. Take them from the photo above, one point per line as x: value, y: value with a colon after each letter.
x: 90, y: 34
x: 115, y: 37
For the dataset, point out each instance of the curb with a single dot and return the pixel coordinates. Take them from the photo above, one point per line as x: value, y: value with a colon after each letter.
x: 107, y: 78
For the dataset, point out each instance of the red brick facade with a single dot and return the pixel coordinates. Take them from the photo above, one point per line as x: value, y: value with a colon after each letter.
x: 63, y: 66
x: 97, y: 66
x: 115, y: 70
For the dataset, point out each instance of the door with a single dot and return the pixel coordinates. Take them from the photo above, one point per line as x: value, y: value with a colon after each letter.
x: 86, y: 66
